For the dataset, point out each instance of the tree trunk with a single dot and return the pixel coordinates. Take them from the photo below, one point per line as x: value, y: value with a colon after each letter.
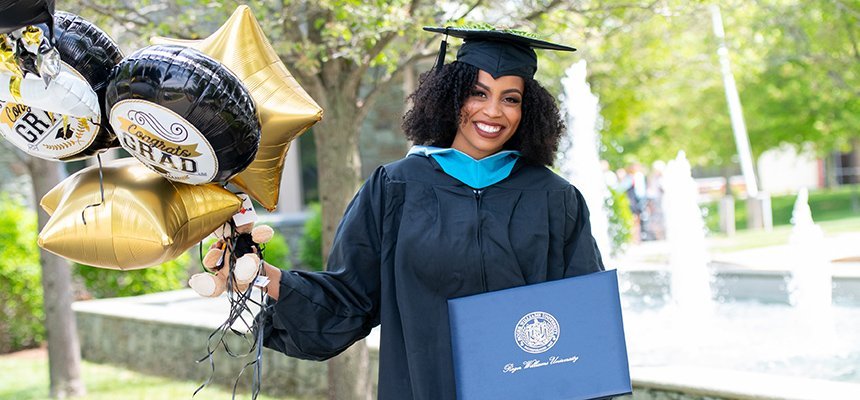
x: 64, y: 350
x: 339, y: 167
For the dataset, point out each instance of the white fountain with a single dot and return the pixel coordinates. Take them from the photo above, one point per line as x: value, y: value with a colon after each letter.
x: 581, y: 163
x: 685, y: 232
x: 810, y: 287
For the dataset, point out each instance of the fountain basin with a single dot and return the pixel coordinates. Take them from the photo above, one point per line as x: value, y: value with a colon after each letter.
x: 675, y: 382
x: 733, y: 282
x: 751, y: 343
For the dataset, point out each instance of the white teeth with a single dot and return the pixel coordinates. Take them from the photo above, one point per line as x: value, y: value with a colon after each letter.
x: 488, y: 128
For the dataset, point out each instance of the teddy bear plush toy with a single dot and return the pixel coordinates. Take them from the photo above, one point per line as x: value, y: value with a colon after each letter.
x: 246, y: 244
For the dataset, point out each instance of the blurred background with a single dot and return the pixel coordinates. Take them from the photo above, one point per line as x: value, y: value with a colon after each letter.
x: 716, y: 142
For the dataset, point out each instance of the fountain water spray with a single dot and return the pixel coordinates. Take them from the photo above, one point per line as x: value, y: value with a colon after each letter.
x: 581, y: 163
x: 810, y: 287
x: 685, y: 231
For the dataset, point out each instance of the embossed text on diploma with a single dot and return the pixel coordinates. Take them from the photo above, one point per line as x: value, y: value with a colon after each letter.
x: 537, y: 363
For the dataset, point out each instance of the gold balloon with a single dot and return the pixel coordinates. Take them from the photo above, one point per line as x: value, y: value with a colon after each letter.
x: 145, y: 219
x: 286, y: 110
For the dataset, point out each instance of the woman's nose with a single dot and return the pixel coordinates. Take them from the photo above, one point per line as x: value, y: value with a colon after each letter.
x: 493, y: 109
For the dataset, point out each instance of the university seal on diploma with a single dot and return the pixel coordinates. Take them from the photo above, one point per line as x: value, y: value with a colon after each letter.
x: 537, y: 332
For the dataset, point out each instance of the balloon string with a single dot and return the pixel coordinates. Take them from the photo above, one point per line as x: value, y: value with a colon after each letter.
x: 200, y: 254
x: 101, y: 189
x: 239, y: 307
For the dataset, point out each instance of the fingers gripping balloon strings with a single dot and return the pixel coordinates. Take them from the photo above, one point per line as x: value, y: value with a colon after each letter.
x: 242, y: 308
x: 101, y: 190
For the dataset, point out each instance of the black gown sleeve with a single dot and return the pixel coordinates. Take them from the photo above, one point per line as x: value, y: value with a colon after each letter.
x: 580, y: 249
x: 320, y: 314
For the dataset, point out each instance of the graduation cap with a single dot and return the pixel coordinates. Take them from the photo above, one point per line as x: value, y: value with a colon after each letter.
x: 498, y: 52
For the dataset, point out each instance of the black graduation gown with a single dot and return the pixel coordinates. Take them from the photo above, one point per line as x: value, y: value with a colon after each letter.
x: 414, y: 237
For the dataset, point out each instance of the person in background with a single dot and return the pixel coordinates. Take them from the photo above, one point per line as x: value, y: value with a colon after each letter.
x: 472, y: 208
x: 634, y: 185
x: 654, y: 194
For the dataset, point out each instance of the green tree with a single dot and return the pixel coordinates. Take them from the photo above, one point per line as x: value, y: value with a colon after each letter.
x: 806, y: 81
x: 795, y: 63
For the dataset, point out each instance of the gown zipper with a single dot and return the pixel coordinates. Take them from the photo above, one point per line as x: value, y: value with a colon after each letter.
x: 478, y: 193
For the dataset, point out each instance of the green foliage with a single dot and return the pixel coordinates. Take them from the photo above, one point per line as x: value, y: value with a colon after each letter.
x: 658, y: 77
x: 661, y: 90
x: 20, y: 273
x: 103, y: 283
x: 277, y: 252
x: 620, y: 220
x: 654, y: 66
x: 806, y: 72
x: 310, y: 245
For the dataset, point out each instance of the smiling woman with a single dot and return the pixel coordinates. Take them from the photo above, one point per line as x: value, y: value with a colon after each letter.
x: 490, y: 115
x: 472, y: 208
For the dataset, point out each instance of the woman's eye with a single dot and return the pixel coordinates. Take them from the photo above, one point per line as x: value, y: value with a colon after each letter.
x: 478, y: 93
x: 512, y: 100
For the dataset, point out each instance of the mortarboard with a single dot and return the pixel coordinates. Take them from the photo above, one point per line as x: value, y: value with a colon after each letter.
x: 498, y: 52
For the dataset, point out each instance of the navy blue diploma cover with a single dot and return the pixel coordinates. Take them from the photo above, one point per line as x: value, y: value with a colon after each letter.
x: 560, y: 339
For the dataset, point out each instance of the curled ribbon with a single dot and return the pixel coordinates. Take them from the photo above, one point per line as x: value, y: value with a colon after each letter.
x: 8, y: 61
x: 15, y: 88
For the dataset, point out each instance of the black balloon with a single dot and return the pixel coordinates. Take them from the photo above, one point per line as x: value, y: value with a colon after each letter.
x: 183, y: 114
x: 91, y: 52
x: 16, y: 14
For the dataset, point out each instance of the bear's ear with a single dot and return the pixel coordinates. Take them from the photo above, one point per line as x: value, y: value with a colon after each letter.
x: 262, y: 234
x: 213, y: 259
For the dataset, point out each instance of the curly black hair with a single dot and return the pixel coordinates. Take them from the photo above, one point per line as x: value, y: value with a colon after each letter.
x: 435, y: 114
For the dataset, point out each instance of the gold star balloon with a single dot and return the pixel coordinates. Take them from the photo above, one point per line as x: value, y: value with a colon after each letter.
x: 144, y: 220
x: 286, y: 110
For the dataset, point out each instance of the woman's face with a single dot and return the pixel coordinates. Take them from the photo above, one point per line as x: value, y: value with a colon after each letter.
x: 490, y: 115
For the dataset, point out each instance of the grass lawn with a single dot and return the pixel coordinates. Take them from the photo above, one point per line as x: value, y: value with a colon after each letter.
x: 835, y: 210
x: 826, y: 205
x: 748, y: 239
x: 25, y: 377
